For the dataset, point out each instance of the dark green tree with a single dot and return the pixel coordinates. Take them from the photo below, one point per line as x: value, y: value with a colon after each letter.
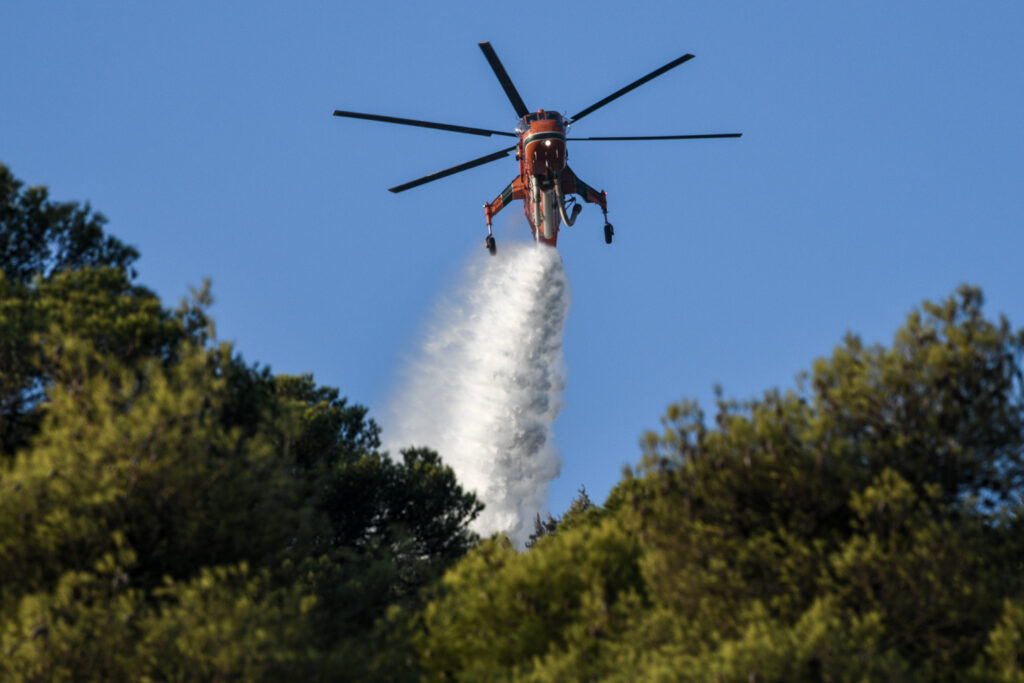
x: 59, y: 271
x: 170, y: 512
x: 39, y: 237
x: 580, y: 505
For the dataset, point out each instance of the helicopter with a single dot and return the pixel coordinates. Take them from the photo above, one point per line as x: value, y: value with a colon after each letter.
x: 546, y: 184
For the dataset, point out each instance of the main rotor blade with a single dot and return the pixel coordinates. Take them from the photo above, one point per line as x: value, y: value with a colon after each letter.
x: 506, y: 82
x: 663, y: 137
x: 451, y: 171
x: 423, y: 124
x: 635, y: 84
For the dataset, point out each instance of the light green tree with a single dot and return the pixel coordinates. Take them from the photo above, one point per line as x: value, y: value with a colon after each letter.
x: 864, y: 526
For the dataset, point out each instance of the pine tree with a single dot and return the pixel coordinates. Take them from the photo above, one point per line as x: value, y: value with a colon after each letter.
x: 171, y: 512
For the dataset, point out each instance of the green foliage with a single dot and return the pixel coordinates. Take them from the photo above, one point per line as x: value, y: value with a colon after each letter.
x: 576, y: 513
x: 98, y: 306
x: 941, y: 405
x: 925, y: 575
x: 864, y: 528
x: 85, y: 625
x: 498, y: 610
x: 39, y: 237
x: 542, y: 528
x: 229, y: 623
x: 140, y: 452
x: 1004, y: 660
x: 171, y: 513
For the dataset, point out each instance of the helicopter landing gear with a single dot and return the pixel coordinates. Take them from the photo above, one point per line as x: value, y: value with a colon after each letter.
x: 608, y: 229
x: 489, y: 242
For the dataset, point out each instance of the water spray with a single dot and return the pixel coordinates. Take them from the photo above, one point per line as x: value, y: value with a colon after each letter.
x: 486, y: 388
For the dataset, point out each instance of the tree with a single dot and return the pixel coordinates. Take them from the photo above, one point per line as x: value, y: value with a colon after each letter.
x: 168, y: 509
x: 942, y: 405
x: 863, y: 526
x: 499, y: 612
x: 59, y: 270
x: 580, y: 505
x: 542, y: 528
x: 40, y: 237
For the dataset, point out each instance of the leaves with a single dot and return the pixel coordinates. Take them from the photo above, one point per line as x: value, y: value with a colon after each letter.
x: 864, y: 528
x: 39, y: 237
x: 169, y: 511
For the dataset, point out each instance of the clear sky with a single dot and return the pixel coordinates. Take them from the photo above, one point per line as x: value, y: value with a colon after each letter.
x: 882, y: 163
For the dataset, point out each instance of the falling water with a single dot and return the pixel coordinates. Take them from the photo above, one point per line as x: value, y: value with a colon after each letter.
x: 485, y: 388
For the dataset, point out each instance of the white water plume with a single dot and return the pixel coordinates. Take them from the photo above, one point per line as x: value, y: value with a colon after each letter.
x: 485, y: 390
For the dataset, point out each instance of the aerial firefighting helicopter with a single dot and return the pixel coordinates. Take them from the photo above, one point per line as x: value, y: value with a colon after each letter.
x: 545, y: 182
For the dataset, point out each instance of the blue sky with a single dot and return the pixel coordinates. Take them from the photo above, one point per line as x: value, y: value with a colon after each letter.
x: 882, y: 163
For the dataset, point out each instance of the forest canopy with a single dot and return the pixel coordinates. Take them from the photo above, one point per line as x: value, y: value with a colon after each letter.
x: 170, y: 512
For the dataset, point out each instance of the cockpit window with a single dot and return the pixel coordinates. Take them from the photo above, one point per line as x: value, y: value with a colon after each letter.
x: 543, y: 116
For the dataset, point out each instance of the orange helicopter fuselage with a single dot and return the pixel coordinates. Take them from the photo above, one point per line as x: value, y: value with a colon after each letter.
x: 542, y: 159
x: 545, y: 180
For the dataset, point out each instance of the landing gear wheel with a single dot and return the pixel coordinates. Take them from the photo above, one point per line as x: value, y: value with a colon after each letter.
x: 491, y: 245
x: 608, y: 232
